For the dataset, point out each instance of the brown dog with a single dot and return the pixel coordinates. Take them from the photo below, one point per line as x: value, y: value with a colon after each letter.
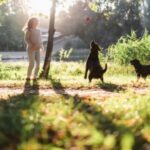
x: 93, y: 65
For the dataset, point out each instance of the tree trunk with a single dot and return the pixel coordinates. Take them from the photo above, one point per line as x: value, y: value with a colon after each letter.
x: 46, y: 66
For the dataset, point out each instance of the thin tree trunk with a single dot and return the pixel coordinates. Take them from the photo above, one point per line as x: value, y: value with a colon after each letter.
x: 46, y: 66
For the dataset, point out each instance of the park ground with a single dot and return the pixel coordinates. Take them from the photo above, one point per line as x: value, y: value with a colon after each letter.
x: 66, y: 112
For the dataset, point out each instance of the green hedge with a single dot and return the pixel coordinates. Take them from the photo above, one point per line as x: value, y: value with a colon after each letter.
x: 131, y: 47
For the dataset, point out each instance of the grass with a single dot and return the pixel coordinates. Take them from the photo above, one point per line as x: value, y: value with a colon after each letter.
x: 60, y: 122
x: 65, y: 122
x: 68, y: 75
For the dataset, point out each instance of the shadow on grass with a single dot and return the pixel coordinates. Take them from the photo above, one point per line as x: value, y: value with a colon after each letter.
x: 110, y: 87
x: 13, y: 111
x: 58, y: 88
x: 31, y: 88
x: 16, y: 128
x: 100, y: 121
x: 105, y: 123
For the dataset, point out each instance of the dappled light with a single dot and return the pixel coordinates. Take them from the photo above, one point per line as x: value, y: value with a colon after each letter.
x: 103, y: 125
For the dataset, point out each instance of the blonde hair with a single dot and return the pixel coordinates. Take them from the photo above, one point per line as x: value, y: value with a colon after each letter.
x: 29, y: 24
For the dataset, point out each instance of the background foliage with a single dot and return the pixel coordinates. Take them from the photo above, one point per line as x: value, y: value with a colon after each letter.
x: 12, y: 19
x: 130, y: 47
x: 105, y: 21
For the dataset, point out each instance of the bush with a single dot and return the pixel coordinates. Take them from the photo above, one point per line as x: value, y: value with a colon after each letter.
x: 130, y: 47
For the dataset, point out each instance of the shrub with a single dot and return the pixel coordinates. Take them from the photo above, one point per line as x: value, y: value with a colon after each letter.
x: 65, y: 54
x: 130, y: 47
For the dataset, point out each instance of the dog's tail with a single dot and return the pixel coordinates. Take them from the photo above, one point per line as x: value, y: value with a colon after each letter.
x: 105, y: 69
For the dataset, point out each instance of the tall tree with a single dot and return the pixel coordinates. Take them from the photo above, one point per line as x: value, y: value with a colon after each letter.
x: 46, y: 66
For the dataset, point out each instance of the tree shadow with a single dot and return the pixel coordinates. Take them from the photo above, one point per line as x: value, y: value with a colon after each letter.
x: 106, y: 124
x: 98, y: 119
x: 13, y: 112
x: 58, y: 88
x: 15, y: 128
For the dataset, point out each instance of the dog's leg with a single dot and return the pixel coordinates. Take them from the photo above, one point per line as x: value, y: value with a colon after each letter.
x: 102, y: 79
x: 90, y: 77
x: 90, y: 80
x: 86, y: 71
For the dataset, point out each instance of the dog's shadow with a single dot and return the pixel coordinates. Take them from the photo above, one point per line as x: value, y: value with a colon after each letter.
x: 110, y: 87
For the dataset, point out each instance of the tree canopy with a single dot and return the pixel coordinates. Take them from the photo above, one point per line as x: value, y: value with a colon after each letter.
x: 103, y: 20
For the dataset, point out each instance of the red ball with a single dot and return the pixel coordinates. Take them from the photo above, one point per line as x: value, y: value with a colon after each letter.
x: 88, y: 20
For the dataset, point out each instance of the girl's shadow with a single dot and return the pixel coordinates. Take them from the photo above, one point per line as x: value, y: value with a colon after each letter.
x: 31, y: 87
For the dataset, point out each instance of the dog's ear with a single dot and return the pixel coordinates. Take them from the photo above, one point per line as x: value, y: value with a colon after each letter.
x: 92, y: 42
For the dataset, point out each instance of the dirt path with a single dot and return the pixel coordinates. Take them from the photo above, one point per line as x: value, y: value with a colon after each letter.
x: 49, y: 92
x: 95, y: 93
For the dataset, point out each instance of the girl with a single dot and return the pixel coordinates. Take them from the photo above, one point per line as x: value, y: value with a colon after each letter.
x: 34, y: 45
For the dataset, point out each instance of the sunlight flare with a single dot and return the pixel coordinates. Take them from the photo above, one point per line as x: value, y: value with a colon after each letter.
x: 43, y: 6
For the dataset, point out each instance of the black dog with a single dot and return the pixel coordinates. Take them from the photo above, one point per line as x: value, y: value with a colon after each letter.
x: 93, y: 65
x: 141, y: 70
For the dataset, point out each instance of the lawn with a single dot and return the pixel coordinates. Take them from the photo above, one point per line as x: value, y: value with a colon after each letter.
x: 69, y: 75
x: 65, y: 122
